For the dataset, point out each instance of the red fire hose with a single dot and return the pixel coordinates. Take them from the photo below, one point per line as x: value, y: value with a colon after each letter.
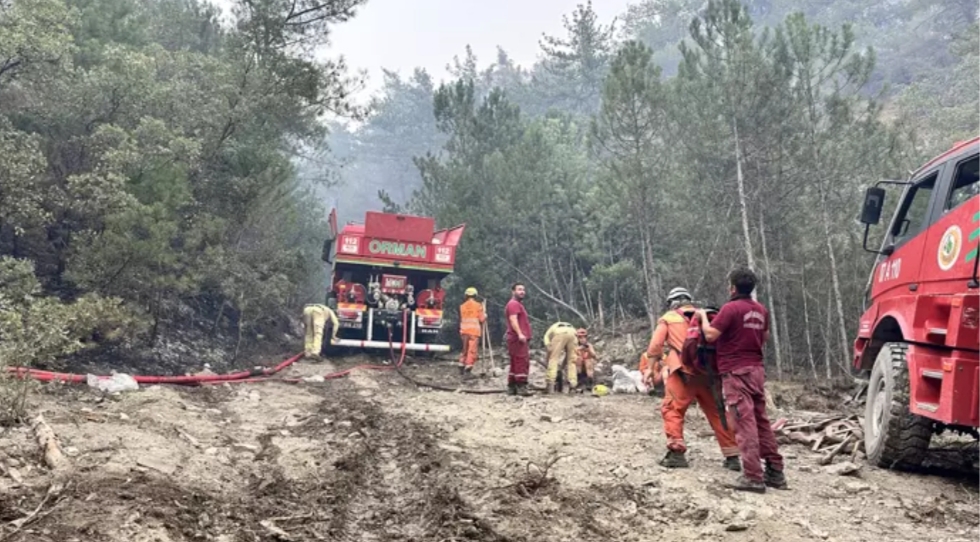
x: 255, y: 375
x: 240, y: 377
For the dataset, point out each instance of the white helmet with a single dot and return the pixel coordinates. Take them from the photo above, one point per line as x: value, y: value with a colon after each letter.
x: 678, y: 293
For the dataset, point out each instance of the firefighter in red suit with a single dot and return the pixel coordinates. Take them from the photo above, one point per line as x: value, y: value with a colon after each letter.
x: 518, y: 342
x: 739, y: 332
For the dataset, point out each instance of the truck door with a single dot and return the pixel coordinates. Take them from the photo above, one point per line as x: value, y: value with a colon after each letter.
x: 945, y: 269
x: 898, y: 274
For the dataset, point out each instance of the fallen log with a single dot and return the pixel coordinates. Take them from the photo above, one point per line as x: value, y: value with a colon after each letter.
x: 801, y: 438
x: 829, y: 457
x: 48, y: 442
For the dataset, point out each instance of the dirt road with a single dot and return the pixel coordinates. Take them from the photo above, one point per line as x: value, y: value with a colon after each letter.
x: 372, y: 457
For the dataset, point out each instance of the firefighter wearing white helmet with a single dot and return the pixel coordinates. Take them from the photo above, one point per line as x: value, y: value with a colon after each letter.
x: 471, y: 319
x: 683, y: 385
x: 677, y: 296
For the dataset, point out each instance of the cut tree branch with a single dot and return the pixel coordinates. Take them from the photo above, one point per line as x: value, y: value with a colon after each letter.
x: 543, y: 292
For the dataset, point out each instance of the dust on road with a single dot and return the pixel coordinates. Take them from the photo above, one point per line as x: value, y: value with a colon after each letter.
x: 372, y: 457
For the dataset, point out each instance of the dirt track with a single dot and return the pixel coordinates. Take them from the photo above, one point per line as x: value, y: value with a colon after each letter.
x: 372, y: 457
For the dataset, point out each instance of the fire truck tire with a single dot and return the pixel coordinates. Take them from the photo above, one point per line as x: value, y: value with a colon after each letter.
x: 893, y: 436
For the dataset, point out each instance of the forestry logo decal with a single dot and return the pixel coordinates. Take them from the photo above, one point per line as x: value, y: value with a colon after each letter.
x: 949, y: 248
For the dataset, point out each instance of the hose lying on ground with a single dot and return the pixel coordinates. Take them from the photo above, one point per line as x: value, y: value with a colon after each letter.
x: 259, y: 374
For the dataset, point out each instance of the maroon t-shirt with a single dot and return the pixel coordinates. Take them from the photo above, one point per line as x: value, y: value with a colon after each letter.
x: 516, y: 308
x: 743, y: 324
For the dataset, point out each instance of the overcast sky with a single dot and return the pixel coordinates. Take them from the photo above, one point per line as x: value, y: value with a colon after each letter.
x: 403, y: 34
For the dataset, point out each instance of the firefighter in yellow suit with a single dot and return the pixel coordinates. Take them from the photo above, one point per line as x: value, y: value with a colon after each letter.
x: 560, y: 341
x: 314, y: 318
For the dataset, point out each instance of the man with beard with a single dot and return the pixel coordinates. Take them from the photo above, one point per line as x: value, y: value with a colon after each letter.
x: 518, y: 342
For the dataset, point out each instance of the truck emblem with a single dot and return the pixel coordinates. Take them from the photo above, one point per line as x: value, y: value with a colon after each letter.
x: 396, y: 249
x: 949, y: 247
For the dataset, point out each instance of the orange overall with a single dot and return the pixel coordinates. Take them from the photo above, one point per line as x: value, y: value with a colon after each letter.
x: 471, y: 318
x: 585, y: 362
x: 684, y: 385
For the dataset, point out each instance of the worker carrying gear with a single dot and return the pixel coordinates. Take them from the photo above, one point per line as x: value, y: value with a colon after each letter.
x: 683, y: 384
x: 585, y: 360
x: 315, y: 316
x: 472, y: 315
x: 560, y: 342
x: 740, y: 331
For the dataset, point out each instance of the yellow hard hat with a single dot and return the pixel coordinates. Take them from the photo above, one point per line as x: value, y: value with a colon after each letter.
x: 471, y: 291
x: 600, y: 390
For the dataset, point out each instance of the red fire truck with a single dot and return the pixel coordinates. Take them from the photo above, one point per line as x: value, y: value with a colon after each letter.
x: 919, y: 333
x: 386, y: 271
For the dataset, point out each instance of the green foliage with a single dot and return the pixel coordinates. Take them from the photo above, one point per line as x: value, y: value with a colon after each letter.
x: 37, y: 328
x: 146, y: 159
x: 754, y: 152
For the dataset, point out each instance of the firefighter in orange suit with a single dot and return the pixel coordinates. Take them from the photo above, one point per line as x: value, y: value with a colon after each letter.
x: 586, y: 359
x: 471, y: 319
x: 683, y: 385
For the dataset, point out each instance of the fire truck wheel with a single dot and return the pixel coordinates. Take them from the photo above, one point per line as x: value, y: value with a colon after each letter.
x: 893, y: 436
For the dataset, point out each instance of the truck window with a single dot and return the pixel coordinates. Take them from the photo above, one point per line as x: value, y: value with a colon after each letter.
x: 915, y: 210
x: 965, y: 184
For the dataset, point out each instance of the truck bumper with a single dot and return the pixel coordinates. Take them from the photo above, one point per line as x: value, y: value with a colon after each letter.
x: 416, y: 347
x: 945, y: 386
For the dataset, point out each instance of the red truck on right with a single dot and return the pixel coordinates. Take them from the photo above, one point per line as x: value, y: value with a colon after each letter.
x: 920, y: 333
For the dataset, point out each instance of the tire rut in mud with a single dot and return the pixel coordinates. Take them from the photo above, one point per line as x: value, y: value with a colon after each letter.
x: 379, y: 477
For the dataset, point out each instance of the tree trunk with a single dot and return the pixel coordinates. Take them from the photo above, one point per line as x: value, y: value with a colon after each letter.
x: 602, y: 315
x: 784, y: 309
x: 832, y: 258
x: 774, y: 322
x: 241, y: 320
x: 828, y: 337
x: 806, y: 326
x: 743, y: 203
x: 652, y: 281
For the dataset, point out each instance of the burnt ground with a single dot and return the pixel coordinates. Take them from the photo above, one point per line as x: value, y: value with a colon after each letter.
x: 373, y: 457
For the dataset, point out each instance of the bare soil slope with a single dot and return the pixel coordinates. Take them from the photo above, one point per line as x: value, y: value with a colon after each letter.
x: 373, y: 457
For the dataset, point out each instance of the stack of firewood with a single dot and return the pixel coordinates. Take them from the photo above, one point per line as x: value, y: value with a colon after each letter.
x: 831, y: 436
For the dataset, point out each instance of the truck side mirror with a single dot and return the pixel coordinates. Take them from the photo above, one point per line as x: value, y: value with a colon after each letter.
x: 874, y: 198
x: 327, y: 247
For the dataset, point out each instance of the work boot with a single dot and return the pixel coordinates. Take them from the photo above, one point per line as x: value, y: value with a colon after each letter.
x: 549, y: 388
x: 523, y: 391
x: 744, y: 484
x: 674, y: 460
x: 511, y: 389
x: 462, y: 370
x: 775, y: 478
x: 733, y: 463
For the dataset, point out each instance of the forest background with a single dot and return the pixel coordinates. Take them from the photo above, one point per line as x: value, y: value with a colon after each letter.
x: 166, y: 169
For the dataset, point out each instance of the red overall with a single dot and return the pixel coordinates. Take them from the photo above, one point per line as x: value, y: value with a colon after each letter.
x: 519, y: 352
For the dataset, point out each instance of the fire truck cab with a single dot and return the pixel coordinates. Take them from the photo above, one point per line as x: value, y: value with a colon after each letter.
x: 386, y: 280
x: 919, y: 334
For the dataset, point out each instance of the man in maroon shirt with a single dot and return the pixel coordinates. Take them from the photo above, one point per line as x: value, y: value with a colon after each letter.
x: 740, y: 331
x: 518, y: 342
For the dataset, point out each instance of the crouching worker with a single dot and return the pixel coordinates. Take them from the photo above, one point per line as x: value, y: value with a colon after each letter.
x: 683, y: 384
x: 585, y: 360
x: 560, y: 343
x: 315, y: 316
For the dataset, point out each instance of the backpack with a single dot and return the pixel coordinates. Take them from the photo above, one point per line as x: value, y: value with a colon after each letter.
x: 697, y: 354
